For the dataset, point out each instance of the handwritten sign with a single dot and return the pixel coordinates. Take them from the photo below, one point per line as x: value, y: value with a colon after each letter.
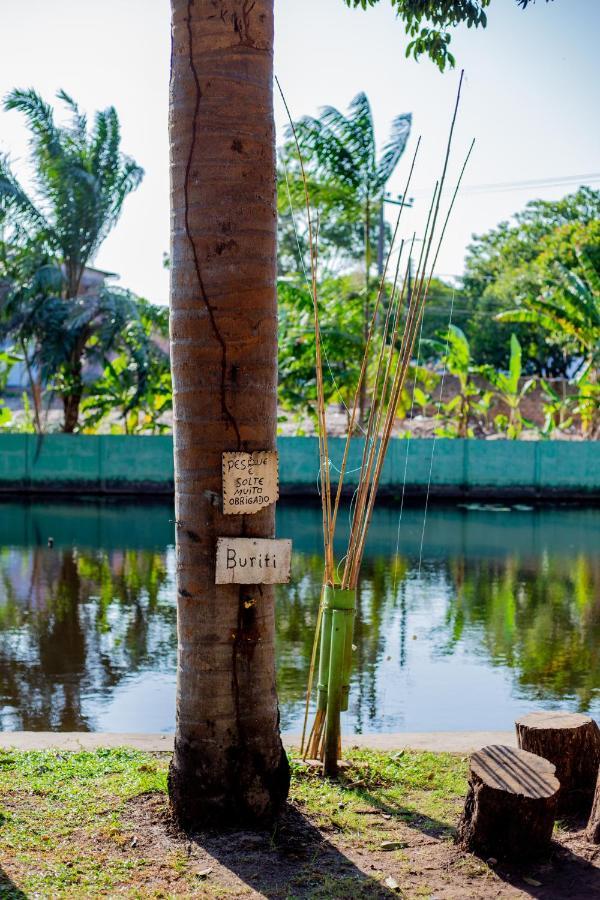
x: 253, y: 561
x: 250, y: 481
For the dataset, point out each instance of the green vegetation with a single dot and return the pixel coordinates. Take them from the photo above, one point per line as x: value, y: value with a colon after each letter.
x: 59, y: 327
x: 524, y: 325
x: 341, y: 328
x: 73, y: 825
x: 511, y: 350
x: 469, y: 406
x: 521, y: 263
x: 346, y: 182
x: 418, y: 15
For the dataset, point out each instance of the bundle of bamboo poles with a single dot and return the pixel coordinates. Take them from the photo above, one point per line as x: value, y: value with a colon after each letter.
x: 388, y: 353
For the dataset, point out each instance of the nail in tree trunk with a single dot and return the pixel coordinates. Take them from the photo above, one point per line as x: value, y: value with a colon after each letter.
x: 511, y: 804
x: 593, y: 827
x: 229, y: 765
x: 572, y: 742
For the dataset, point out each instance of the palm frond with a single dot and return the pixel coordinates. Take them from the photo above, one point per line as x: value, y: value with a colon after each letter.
x: 40, y: 118
x: 527, y: 316
x: 331, y: 159
x: 591, y: 273
x: 394, y: 149
x: 82, y: 179
x: 15, y: 204
x: 359, y: 132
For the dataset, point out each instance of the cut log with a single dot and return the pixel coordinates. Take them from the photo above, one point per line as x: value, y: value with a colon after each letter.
x: 511, y: 804
x: 592, y: 831
x: 572, y: 742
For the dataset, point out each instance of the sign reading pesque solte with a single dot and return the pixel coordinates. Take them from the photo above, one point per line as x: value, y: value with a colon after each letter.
x: 250, y: 481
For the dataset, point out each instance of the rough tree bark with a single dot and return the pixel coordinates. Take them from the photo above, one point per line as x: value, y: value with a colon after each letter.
x: 229, y: 765
x: 510, y: 806
x: 71, y: 404
x: 571, y: 741
x: 593, y: 826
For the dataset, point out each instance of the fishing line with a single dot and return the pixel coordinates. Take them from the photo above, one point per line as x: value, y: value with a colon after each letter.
x: 408, y: 440
x: 439, y: 404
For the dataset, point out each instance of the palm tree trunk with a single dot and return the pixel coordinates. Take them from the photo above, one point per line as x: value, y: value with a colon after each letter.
x: 229, y: 765
x: 71, y: 398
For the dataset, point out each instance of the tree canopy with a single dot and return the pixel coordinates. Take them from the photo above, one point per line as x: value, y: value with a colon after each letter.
x: 427, y: 21
x: 513, y: 265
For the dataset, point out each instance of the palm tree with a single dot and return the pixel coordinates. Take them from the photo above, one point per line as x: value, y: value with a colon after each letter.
x: 340, y: 153
x: 81, y: 182
x: 228, y: 765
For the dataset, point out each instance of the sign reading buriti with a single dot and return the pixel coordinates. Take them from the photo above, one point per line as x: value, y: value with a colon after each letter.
x: 250, y: 481
x: 253, y: 561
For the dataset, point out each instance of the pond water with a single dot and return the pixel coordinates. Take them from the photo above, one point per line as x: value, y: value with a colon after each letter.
x: 500, y: 616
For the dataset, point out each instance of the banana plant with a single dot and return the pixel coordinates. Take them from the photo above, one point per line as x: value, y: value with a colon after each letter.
x: 468, y: 408
x: 510, y: 391
x: 558, y: 408
x: 425, y: 381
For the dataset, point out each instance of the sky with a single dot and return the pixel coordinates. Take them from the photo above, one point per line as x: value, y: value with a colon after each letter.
x: 531, y: 98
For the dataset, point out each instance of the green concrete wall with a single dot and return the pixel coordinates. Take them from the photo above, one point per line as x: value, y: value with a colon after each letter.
x: 121, y: 463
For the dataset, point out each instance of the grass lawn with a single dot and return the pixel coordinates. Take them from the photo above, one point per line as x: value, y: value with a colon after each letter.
x: 97, y: 825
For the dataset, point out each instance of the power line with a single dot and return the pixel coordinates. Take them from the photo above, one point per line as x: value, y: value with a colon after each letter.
x: 533, y: 183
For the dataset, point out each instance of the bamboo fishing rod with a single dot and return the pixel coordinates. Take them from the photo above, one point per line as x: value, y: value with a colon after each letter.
x: 316, y: 730
x: 335, y: 616
x: 370, y: 449
x: 329, y: 573
x: 377, y: 439
x: 321, y: 412
x: 355, y: 555
x: 363, y: 513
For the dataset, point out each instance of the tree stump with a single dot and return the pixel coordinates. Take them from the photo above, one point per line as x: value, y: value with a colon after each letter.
x: 572, y: 742
x: 510, y: 806
x: 592, y: 831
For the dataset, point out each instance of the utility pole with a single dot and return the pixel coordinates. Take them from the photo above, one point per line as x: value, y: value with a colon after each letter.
x: 381, y: 236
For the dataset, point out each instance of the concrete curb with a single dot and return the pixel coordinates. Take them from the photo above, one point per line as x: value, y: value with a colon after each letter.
x: 435, y: 741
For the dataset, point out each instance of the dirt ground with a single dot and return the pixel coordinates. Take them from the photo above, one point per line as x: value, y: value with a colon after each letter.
x: 301, y: 860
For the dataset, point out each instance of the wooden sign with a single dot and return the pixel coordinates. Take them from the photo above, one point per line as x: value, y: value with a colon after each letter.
x: 250, y: 481
x: 253, y: 561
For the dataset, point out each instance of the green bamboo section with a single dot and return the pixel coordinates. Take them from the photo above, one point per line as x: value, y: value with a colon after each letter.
x: 334, y: 673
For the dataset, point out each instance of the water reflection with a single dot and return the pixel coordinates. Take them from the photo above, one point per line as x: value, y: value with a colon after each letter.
x: 501, y: 614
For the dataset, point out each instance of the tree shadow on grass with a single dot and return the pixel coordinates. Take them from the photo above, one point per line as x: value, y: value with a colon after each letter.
x: 8, y: 889
x: 294, y: 860
x: 428, y: 826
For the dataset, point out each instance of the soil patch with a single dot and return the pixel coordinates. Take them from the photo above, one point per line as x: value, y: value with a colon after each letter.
x: 303, y: 859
